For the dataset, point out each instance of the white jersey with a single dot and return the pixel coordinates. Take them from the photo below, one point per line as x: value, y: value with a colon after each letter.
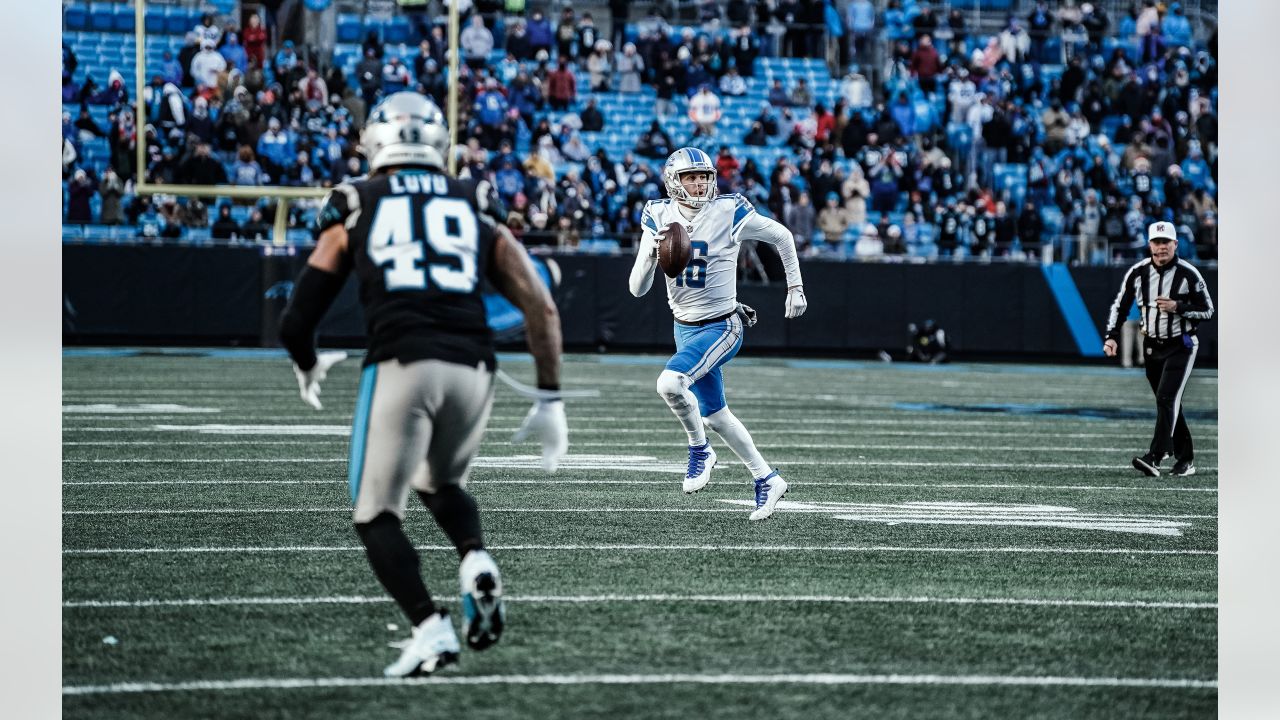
x: 708, y: 288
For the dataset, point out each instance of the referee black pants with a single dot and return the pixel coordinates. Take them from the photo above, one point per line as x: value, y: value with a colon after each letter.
x: 1168, y: 365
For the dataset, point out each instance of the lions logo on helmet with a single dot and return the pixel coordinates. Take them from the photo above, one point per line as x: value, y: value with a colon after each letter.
x: 405, y: 129
x: 687, y: 160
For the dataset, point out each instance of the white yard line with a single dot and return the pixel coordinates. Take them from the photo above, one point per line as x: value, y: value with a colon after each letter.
x: 691, y: 511
x: 656, y: 598
x: 345, y: 430
x: 654, y: 443
x: 561, y: 481
x: 662, y: 679
x: 868, y: 549
x: 667, y: 421
x: 504, y: 462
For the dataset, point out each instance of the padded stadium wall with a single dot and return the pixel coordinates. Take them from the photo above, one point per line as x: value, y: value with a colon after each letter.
x: 141, y: 295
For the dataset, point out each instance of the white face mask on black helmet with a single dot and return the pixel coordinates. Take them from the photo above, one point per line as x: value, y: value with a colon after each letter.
x: 406, y: 128
x: 687, y: 160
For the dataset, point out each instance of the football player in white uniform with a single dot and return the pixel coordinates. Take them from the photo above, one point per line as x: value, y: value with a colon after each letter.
x: 708, y: 318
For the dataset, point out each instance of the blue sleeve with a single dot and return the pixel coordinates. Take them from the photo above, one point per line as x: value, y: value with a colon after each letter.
x: 647, y: 220
x: 742, y: 210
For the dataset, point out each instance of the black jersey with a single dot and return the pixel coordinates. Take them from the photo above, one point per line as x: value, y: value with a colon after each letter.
x: 420, y: 244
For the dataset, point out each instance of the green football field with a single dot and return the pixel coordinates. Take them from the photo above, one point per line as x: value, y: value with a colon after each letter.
x: 958, y: 542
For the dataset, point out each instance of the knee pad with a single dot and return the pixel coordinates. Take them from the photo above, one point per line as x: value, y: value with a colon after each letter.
x: 721, y: 420
x: 672, y: 384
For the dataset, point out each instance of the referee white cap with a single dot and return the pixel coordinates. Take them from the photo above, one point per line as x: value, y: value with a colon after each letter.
x: 1161, y: 229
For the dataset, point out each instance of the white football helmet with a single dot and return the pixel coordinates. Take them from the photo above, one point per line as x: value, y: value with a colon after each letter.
x: 687, y: 160
x: 406, y: 128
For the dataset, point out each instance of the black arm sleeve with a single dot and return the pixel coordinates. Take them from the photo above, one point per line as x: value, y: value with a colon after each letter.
x: 313, y: 293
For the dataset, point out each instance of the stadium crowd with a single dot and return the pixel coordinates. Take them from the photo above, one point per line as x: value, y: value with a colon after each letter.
x: 1068, y: 125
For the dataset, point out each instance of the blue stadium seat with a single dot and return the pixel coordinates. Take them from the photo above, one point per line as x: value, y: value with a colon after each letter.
x: 376, y: 25
x: 72, y: 232
x: 75, y: 17
x: 348, y: 28
x: 124, y: 19
x: 178, y: 21
x: 154, y: 23
x: 102, y: 16
x: 396, y: 30
x: 97, y: 233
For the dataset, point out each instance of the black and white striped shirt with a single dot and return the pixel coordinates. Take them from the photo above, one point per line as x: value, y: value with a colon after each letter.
x: 1179, y: 281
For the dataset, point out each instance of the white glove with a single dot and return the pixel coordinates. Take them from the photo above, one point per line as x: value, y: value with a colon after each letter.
x: 796, y: 304
x: 546, y: 424
x: 309, y: 380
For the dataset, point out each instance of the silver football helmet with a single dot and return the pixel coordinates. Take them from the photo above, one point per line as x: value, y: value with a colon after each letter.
x: 406, y: 128
x: 687, y: 160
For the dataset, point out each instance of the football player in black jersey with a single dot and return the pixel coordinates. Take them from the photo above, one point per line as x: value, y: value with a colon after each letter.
x: 421, y: 244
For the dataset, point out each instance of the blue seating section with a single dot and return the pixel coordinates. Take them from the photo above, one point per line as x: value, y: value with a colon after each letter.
x: 118, y: 17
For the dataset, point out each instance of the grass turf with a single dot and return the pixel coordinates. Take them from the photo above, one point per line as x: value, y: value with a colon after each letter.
x: 262, y: 516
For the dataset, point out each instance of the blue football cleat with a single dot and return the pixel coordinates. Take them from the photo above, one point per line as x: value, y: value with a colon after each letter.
x: 769, y: 490
x: 701, y: 460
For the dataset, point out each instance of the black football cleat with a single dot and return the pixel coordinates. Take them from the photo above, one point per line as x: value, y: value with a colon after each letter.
x: 1147, y: 464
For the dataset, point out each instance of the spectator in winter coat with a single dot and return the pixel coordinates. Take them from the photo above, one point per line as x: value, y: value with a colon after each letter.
x: 1176, y: 28
x: 80, y: 191
x: 276, y: 148
x: 629, y: 66
x: 255, y: 40
x: 704, y: 111
x: 926, y: 64
x: 246, y: 170
x: 539, y: 33
x: 1148, y: 30
x: 395, y: 76
x: 477, y: 43
x: 235, y: 54
x: 561, y: 85
x: 111, y: 190
x: 592, y: 118
x: 599, y: 68
x: 207, y: 31
x: 224, y: 227
x: 205, y: 67
x: 799, y: 221
x: 201, y: 168
x: 733, y: 84
x: 833, y: 220
x: 778, y: 95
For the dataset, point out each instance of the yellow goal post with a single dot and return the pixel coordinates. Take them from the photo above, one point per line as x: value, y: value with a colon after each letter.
x: 282, y: 194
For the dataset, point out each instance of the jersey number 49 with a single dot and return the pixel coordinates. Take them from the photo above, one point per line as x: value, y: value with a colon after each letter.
x: 448, y: 227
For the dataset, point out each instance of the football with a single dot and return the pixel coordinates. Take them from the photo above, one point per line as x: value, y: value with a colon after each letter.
x: 674, y: 252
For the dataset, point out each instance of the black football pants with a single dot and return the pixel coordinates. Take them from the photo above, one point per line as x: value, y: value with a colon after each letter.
x: 1168, y: 365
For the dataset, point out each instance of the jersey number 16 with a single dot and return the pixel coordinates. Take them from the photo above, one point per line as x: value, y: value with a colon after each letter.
x: 450, y: 230
x: 695, y: 276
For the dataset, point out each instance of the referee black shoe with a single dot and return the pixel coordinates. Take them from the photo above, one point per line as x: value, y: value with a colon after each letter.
x: 1148, y: 465
x: 1183, y: 468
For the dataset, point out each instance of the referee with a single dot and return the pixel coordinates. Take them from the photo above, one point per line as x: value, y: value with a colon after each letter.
x: 1172, y: 300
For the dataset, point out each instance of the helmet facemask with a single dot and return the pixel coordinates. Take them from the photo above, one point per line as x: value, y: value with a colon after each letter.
x: 684, y: 162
